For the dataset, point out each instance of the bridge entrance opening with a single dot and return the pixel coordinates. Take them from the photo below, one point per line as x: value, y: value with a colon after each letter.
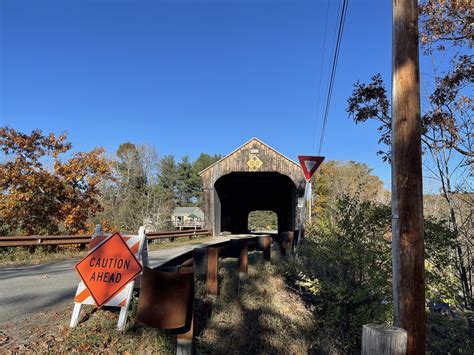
x: 262, y: 221
x: 253, y: 177
x: 238, y: 193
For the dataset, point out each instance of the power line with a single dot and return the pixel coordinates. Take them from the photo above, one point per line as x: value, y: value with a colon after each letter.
x: 333, y: 71
x: 321, y: 74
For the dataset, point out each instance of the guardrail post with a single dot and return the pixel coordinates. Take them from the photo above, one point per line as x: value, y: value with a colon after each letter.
x: 285, y: 240
x: 243, y: 259
x: 291, y: 240
x: 212, y: 285
x: 184, y: 342
x: 282, y: 243
x: 200, y: 261
x: 264, y: 242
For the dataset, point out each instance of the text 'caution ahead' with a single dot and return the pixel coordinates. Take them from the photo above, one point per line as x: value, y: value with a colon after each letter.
x: 109, y: 268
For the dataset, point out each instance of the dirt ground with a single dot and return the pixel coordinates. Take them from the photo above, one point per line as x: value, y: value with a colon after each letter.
x: 48, y: 331
x: 39, y: 332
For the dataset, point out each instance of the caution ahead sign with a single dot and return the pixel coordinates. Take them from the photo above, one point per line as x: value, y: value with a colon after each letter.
x: 108, y: 269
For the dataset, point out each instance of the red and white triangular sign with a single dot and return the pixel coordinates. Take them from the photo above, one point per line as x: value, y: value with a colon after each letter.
x: 309, y: 164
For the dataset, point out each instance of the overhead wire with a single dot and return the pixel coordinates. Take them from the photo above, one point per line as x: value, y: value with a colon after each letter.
x: 321, y: 74
x: 333, y: 72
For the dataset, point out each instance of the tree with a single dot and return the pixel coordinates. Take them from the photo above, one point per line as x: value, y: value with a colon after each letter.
x: 41, y: 199
x: 445, y: 22
x: 369, y: 101
x: 123, y: 198
x: 202, y: 162
x: 184, y: 183
x: 182, y: 180
x: 335, y: 178
x: 130, y: 166
x: 168, y: 176
x: 344, y: 269
x: 134, y: 197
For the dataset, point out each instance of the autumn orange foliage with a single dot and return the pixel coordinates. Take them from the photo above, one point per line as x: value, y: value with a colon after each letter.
x: 42, y: 193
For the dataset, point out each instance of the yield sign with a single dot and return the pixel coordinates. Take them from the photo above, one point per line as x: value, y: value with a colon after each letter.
x: 309, y: 164
x: 108, y: 269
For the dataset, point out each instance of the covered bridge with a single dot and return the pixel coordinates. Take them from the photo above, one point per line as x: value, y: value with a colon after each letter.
x: 253, y: 177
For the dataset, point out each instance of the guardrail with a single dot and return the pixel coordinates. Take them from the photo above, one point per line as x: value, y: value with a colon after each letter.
x: 35, y: 240
x: 166, y: 299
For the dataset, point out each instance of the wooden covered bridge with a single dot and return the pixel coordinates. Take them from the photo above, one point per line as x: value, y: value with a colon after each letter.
x: 253, y: 177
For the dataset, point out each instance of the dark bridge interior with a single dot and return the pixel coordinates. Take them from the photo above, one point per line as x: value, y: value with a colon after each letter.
x: 238, y: 194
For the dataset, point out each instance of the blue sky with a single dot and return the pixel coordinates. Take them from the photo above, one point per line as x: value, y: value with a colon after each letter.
x: 191, y: 76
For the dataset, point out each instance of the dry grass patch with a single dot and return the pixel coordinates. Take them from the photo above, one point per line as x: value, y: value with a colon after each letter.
x: 38, y: 254
x: 49, y: 331
x: 260, y: 316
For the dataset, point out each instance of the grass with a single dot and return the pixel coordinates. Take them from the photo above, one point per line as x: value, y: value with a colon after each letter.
x: 49, y: 332
x: 33, y: 255
x: 98, y: 332
x: 260, y: 316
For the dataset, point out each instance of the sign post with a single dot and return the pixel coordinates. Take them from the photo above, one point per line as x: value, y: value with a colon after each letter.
x: 108, y: 272
x: 309, y: 164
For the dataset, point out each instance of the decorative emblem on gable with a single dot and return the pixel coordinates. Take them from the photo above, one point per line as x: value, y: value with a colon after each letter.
x: 254, y: 163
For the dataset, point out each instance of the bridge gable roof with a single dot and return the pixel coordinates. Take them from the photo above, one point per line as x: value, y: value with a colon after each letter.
x: 238, y: 161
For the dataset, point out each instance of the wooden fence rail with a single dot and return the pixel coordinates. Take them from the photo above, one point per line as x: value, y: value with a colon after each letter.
x: 35, y: 240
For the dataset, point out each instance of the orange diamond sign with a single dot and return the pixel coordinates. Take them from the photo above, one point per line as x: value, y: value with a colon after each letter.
x: 108, y: 269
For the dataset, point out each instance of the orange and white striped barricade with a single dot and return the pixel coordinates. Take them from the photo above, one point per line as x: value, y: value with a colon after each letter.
x: 122, y: 294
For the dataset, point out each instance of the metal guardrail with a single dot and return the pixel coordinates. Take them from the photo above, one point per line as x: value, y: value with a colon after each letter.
x: 167, y: 291
x: 35, y: 240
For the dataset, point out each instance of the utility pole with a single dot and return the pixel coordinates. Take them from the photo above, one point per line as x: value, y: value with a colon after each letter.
x: 407, y: 190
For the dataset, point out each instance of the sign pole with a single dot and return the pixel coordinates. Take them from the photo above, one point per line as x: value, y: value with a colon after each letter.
x: 303, y: 213
x: 310, y: 202
x: 309, y: 164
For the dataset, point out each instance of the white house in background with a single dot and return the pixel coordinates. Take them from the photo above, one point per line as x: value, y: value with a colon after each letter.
x: 187, y: 217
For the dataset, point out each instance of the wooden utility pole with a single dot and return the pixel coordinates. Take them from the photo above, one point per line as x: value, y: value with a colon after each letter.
x: 407, y: 195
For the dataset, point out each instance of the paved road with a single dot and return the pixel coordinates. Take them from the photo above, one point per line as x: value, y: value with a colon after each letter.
x: 28, y: 289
